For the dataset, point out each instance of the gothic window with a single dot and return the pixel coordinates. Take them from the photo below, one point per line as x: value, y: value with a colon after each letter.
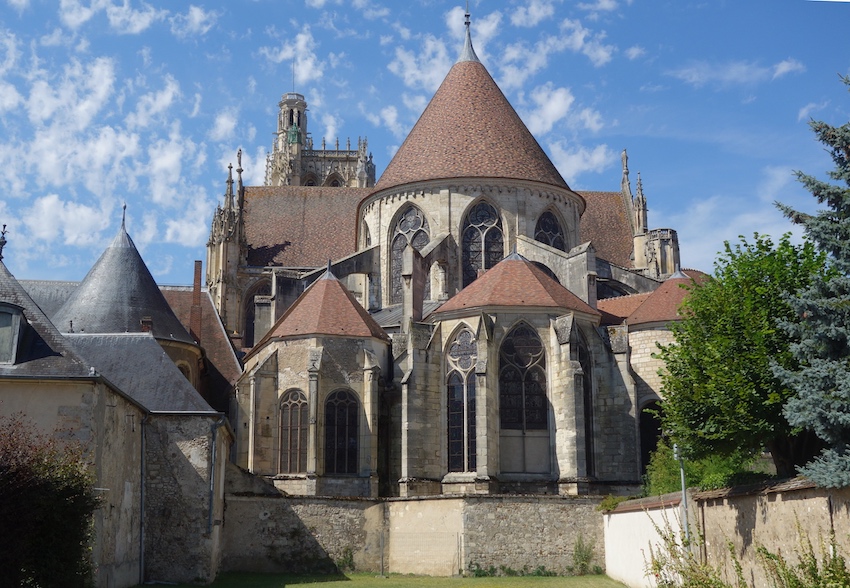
x: 293, y: 432
x: 412, y: 228
x: 523, y: 404
x: 342, y: 420
x: 549, y: 231
x: 582, y: 354
x: 460, y: 385
x: 482, y: 241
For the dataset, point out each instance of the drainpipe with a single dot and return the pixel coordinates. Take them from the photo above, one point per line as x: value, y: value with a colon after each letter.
x: 142, y: 506
x: 213, y: 430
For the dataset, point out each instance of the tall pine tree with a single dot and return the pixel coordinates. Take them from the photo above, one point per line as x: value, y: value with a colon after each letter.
x: 822, y: 388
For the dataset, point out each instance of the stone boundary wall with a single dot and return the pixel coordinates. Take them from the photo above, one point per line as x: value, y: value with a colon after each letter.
x: 439, y: 536
x: 777, y: 517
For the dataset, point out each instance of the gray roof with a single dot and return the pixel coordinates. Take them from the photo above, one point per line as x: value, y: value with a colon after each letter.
x: 390, y: 316
x: 43, y: 352
x: 49, y: 295
x: 137, y: 364
x: 116, y: 295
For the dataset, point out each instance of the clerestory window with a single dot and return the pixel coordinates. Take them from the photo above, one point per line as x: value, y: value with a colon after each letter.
x: 411, y: 228
x: 549, y: 231
x: 482, y: 241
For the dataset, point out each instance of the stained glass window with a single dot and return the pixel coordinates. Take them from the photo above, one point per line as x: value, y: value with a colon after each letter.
x: 523, y: 404
x: 482, y: 241
x: 293, y: 432
x: 342, y: 424
x: 549, y: 231
x: 460, y: 388
x: 583, y: 355
x: 412, y: 227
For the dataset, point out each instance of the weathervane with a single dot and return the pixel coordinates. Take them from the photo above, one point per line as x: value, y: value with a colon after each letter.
x: 2, y: 241
x: 467, y: 21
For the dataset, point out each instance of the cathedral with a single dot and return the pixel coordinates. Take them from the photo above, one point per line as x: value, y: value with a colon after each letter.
x: 465, y: 324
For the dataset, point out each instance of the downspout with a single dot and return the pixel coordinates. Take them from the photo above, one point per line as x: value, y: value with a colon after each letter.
x: 142, y: 506
x: 213, y: 430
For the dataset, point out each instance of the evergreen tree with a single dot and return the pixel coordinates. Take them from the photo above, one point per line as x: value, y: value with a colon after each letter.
x: 720, y: 395
x: 822, y: 387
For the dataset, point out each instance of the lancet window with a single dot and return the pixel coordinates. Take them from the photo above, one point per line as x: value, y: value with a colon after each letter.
x: 293, y: 432
x: 582, y: 354
x: 482, y: 241
x: 412, y: 228
x: 342, y: 441
x: 460, y: 398
x: 523, y: 404
x: 549, y: 231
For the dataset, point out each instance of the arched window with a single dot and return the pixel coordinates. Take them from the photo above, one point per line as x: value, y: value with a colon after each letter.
x: 251, y: 336
x: 293, y: 432
x: 482, y: 241
x: 549, y: 231
x: 650, y: 432
x: 460, y: 398
x: 582, y: 354
x: 342, y: 424
x: 412, y: 227
x: 523, y: 403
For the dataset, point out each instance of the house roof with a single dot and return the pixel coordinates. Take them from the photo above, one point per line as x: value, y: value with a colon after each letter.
x: 117, y: 293
x: 44, y: 351
x: 607, y: 225
x: 659, y: 306
x: 515, y: 281
x: 325, y: 308
x: 300, y: 226
x: 615, y: 310
x: 137, y: 364
x: 469, y: 130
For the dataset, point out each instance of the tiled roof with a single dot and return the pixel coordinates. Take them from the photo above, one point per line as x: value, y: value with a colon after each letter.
x: 137, y: 364
x: 45, y: 352
x: 515, y: 281
x: 318, y: 223
x: 469, y: 129
x: 325, y: 308
x: 663, y: 304
x: 117, y: 293
x: 615, y: 310
x: 606, y: 224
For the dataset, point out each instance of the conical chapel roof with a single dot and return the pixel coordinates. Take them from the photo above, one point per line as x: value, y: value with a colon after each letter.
x: 117, y: 293
x: 469, y: 129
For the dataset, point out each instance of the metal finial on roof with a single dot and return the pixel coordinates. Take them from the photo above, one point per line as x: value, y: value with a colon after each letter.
x: 239, y: 169
x: 2, y: 241
x: 678, y: 274
x: 467, y: 53
x: 328, y: 273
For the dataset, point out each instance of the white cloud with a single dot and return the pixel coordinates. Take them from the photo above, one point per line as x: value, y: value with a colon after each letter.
x: 387, y: 117
x: 806, y: 112
x: 9, y: 51
x: 126, y: 20
x: 550, y: 106
x: 20, y: 5
x: 152, y: 104
x: 9, y: 97
x: 532, y: 13
x: 599, y: 6
x: 196, y: 22
x: 331, y: 124
x: 308, y: 66
x: 585, y: 41
x: 74, y: 13
x: 589, y: 119
x: 733, y: 73
x: 425, y: 70
x: 190, y: 228
x: 50, y: 219
x: 224, y: 126
x: 164, y: 168
x: 635, y: 52
x: 572, y: 162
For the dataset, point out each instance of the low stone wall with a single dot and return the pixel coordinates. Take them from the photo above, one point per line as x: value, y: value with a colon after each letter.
x: 265, y: 531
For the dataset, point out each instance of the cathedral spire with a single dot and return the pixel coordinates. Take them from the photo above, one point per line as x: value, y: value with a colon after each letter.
x: 467, y: 53
x: 228, y: 195
x: 640, y: 208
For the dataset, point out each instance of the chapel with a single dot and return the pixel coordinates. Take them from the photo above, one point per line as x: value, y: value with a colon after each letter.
x: 444, y: 329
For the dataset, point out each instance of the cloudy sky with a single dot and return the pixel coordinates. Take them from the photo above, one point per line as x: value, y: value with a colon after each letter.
x: 110, y: 101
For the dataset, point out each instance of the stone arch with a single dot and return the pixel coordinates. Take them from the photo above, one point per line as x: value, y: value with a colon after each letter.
x: 310, y: 179
x: 250, y: 336
x: 409, y: 226
x: 334, y: 180
x: 482, y: 239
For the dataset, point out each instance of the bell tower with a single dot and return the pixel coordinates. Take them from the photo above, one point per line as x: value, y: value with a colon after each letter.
x: 283, y: 164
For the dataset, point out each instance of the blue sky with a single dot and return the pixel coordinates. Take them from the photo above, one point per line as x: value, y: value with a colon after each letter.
x: 107, y: 101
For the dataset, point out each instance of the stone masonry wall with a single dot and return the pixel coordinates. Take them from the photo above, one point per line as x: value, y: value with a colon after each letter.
x: 643, y: 346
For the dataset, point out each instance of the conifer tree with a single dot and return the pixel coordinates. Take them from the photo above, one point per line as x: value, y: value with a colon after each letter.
x: 821, y: 401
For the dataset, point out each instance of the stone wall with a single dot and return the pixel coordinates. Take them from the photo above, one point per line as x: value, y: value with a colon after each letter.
x: 643, y: 345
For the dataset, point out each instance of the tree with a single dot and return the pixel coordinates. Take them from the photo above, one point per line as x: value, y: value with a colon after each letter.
x: 46, y: 504
x: 720, y: 394
x: 821, y: 380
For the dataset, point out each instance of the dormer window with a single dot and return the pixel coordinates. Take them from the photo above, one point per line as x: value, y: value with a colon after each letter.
x: 10, y: 329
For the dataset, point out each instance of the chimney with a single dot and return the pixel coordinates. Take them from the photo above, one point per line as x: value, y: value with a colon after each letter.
x: 147, y: 324
x: 195, y: 312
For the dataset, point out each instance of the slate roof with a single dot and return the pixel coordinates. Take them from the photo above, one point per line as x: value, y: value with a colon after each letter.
x: 469, y: 130
x: 44, y: 351
x: 137, y: 364
x: 515, y: 281
x: 325, y: 308
x: 116, y: 294
x: 607, y: 225
x: 319, y: 223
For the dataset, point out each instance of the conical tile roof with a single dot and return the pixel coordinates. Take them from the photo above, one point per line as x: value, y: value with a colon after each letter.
x: 512, y: 282
x: 469, y: 129
x: 118, y: 292
x: 325, y: 308
x: 663, y: 304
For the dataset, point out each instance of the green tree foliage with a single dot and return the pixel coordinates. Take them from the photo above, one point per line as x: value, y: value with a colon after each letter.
x: 822, y: 387
x: 46, y: 504
x: 720, y: 394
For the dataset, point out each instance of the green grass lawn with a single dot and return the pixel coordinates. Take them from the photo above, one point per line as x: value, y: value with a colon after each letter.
x: 362, y: 580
